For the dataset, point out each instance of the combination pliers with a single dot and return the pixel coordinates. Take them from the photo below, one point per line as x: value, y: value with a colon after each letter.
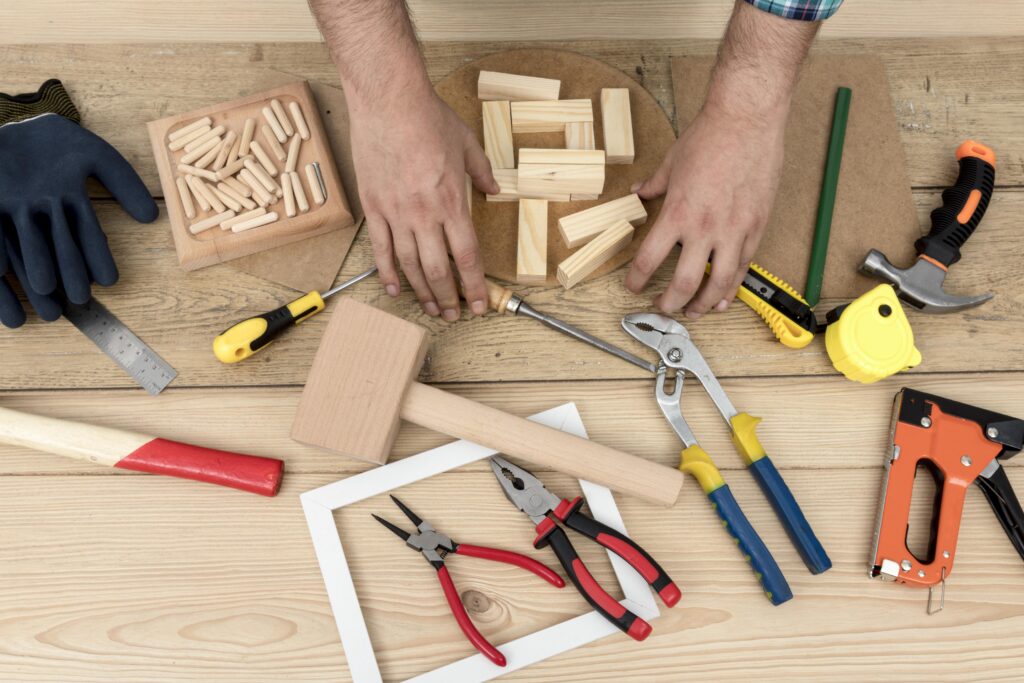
x: 678, y: 352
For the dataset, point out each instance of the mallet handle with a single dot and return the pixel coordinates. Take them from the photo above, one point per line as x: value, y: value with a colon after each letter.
x: 456, y: 416
x: 963, y: 205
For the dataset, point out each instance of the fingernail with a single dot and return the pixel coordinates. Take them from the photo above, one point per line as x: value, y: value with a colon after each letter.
x: 692, y: 315
x: 451, y: 315
x: 392, y: 290
x: 722, y: 305
x: 431, y: 308
x: 635, y: 187
x: 479, y: 307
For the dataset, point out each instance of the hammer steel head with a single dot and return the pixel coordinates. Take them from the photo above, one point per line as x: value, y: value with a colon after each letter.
x: 919, y: 285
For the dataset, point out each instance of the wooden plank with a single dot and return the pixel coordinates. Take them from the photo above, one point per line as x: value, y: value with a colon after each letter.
x: 579, y: 228
x: 494, y: 85
x: 549, y: 116
x: 166, y: 581
x: 196, y: 307
x: 498, y: 135
x: 561, y: 156
x: 532, y: 241
x: 619, y: 413
x: 942, y: 89
x: 51, y: 21
x: 617, y: 125
x: 586, y: 260
x: 542, y: 179
x: 580, y: 135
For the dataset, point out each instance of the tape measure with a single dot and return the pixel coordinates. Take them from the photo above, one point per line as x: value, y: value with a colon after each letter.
x: 870, y: 338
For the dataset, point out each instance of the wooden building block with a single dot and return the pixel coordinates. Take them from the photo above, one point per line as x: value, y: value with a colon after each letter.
x: 583, y: 197
x: 498, y: 134
x: 617, y: 122
x: 532, y: 252
x: 579, y: 228
x: 508, y: 181
x: 580, y: 135
x: 561, y: 156
x: 494, y: 85
x: 560, y: 179
x: 598, y: 251
x: 549, y: 116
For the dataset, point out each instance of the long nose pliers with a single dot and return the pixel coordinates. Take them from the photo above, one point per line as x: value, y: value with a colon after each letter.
x: 435, y: 546
x: 678, y: 352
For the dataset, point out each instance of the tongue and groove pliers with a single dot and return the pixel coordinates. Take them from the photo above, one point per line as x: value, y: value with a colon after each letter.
x: 678, y: 352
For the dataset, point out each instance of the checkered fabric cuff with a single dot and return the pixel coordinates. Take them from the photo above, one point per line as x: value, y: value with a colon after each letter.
x: 804, y: 10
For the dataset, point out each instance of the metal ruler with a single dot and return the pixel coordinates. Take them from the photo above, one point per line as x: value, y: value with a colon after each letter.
x: 113, y: 338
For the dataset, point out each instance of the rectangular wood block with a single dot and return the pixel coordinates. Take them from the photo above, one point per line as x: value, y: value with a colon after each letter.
x: 560, y: 179
x: 600, y: 249
x: 532, y: 252
x: 617, y: 122
x: 580, y: 135
x: 508, y: 181
x: 529, y: 155
x: 498, y: 134
x: 579, y: 228
x: 353, y: 396
x: 549, y: 116
x: 494, y: 85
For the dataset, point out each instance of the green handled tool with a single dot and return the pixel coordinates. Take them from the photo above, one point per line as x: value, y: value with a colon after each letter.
x: 243, y: 339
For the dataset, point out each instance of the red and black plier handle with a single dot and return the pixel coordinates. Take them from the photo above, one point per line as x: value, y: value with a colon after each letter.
x: 455, y: 601
x: 549, y: 533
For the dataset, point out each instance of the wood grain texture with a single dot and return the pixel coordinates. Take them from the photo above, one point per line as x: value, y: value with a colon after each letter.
x: 580, y: 135
x: 77, y: 21
x: 589, y: 258
x: 579, y: 228
x: 546, y: 179
x: 498, y: 134
x: 496, y: 85
x: 617, y: 124
x: 532, y: 242
x: 549, y: 116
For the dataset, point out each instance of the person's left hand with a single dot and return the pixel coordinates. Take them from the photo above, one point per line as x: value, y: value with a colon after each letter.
x: 719, y: 180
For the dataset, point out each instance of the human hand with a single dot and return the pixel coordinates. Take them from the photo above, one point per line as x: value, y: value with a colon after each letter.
x: 719, y: 180
x: 411, y: 161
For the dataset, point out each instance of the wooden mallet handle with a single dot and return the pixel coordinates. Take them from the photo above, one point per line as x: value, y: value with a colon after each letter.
x: 132, y: 451
x: 460, y: 417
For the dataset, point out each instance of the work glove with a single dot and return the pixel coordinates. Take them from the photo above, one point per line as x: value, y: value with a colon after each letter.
x: 51, y: 238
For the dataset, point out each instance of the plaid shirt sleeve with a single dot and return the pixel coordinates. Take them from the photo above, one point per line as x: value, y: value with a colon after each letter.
x: 804, y: 10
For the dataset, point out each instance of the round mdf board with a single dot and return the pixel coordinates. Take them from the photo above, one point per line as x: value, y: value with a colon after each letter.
x: 582, y: 78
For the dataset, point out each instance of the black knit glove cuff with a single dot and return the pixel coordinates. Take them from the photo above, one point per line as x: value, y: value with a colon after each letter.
x: 51, y: 98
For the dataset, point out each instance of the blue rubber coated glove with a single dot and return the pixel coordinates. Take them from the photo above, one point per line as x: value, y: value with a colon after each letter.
x: 52, y: 240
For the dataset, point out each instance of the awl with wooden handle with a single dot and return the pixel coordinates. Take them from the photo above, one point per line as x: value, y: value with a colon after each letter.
x: 503, y: 300
x: 139, y: 452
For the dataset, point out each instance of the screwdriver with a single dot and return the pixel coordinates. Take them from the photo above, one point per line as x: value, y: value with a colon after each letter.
x: 243, y: 339
x: 503, y: 300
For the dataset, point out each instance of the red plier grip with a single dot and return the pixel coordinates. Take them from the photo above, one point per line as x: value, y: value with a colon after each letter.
x: 521, y: 561
x: 474, y: 636
x: 623, y: 546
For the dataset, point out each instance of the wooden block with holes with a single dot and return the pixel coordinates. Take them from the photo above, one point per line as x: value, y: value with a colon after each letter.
x: 585, y: 261
x: 617, y: 122
x: 497, y: 118
x: 494, y: 85
x: 549, y: 116
x: 579, y: 228
x: 209, y: 247
x: 580, y: 135
x: 532, y: 250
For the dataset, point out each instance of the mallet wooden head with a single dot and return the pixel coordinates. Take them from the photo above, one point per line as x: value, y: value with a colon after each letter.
x: 353, y: 397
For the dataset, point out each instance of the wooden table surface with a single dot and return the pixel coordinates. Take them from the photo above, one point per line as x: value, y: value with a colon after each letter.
x: 118, y: 576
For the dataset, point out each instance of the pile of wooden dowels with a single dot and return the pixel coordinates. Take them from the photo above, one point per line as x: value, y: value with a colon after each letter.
x: 528, y: 104
x: 230, y: 179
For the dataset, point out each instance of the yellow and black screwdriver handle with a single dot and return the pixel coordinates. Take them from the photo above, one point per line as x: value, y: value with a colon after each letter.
x: 243, y: 339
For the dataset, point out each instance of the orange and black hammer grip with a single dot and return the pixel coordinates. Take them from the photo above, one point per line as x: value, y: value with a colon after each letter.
x: 963, y: 205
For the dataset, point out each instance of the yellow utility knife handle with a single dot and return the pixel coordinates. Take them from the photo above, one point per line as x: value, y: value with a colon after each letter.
x: 785, y: 330
x: 240, y: 341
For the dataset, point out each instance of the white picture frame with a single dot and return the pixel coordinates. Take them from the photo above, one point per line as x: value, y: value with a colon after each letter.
x: 319, y: 505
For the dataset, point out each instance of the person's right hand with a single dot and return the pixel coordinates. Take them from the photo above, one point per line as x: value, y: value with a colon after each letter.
x: 411, y: 160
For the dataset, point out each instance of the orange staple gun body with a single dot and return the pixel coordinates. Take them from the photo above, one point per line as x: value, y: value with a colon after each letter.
x: 960, y: 445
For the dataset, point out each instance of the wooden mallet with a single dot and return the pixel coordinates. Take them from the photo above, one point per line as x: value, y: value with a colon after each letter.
x: 139, y: 452
x: 363, y: 383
